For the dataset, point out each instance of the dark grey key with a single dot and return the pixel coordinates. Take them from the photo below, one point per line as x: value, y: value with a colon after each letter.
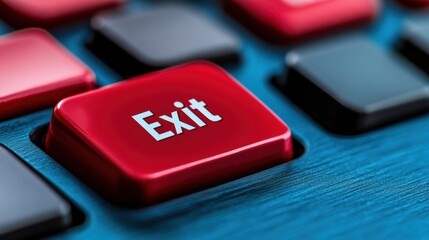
x: 28, y: 206
x: 160, y: 37
x: 414, y: 43
x: 349, y: 85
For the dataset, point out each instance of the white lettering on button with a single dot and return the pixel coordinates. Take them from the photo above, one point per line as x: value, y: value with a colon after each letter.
x: 150, y: 128
x: 174, y: 119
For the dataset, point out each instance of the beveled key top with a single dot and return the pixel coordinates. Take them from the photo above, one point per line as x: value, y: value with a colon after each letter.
x: 165, y: 134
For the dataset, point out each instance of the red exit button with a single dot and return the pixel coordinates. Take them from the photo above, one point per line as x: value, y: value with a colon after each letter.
x: 166, y: 134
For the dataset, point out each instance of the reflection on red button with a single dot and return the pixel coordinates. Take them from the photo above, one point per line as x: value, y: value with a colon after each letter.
x: 37, y: 72
x: 166, y: 134
x: 47, y: 13
x: 283, y: 21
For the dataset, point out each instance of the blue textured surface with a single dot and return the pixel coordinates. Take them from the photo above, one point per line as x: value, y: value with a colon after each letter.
x: 374, y: 185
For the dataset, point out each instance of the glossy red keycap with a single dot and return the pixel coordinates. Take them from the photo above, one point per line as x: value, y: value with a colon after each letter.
x: 37, y: 72
x: 166, y: 134
x: 283, y: 21
x: 47, y: 13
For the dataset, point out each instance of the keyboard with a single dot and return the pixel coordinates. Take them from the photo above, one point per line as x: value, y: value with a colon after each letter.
x: 240, y: 119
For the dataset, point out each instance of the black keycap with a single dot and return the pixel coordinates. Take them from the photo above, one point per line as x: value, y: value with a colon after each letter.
x: 28, y: 206
x: 349, y: 85
x: 160, y: 37
x: 414, y: 43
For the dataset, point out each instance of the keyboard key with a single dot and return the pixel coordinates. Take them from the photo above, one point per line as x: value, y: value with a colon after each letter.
x: 37, y: 72
x: 350, y: 85
x: 28, y: 206
x: 160, y: 37
x: 284, y: 21
x: 414, y: 43
x: 30, y: 13
x: 166, y: 134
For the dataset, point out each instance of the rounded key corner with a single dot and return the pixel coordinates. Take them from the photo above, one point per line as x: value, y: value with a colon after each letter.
x: 58, y: 113
x: 292, y: 59
x: 289, y: 153
x: 35, y: 34
x: 66, y: 211
x: 58, y: 109
x: 90, y: 78
x: 34, y: 31
x: 28, y: 13
x: 100, y: 21
x: 31, y: 35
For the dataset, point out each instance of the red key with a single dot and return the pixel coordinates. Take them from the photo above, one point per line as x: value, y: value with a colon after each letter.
x: 166, y: 134
x: 47, y: 13
x: 37, y: 72
x: 283, y: 21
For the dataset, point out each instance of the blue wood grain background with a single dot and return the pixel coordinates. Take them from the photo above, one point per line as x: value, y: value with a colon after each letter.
x: 370, y: 186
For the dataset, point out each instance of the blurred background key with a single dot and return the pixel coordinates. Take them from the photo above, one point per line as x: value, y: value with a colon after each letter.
x: 28, y: 206
x: 349, y: 85
x: 160, y: 37
x: 36, y: 72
